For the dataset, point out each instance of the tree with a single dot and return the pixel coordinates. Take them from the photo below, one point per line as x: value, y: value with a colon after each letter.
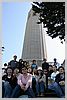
x: 52, y: 14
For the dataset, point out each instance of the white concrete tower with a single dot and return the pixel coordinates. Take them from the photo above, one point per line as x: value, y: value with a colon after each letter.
x: 33, y: 47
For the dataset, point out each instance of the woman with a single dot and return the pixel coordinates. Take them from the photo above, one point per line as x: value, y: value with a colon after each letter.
x: 24, y: 85
x: 40, y: 83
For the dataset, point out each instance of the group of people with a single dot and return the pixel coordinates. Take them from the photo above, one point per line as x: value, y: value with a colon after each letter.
x: 21, y: 78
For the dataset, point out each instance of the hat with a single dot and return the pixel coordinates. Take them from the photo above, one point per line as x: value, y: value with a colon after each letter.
x: 39, y: 68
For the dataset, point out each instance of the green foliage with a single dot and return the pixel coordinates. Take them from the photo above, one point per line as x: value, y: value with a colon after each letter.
x: 52, y: 14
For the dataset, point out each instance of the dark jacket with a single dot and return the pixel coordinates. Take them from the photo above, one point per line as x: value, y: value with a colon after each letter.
x: 13, y: 64
x: 12, y: 81
x: 60, y: 77
x: 45, y: 65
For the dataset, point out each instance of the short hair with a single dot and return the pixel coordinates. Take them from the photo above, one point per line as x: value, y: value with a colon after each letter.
x: 15, y: 56
x: 24, y: 67
x: 55, y: 66
x: 55, y: 59
x: 20, y: 59
x: 61, y: 67
x: 34, y: 60
x: 5, y: 64
x: 9, y: 68
x: 44, y: 59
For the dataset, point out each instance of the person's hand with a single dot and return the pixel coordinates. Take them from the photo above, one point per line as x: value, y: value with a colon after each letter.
x: 62, y: 82
x: 23, y: 87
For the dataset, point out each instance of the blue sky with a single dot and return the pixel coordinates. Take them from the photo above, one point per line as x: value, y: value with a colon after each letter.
x: 14, y: 17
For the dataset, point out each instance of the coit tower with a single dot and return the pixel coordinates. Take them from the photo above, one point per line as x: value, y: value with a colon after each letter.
x: 34, y: 44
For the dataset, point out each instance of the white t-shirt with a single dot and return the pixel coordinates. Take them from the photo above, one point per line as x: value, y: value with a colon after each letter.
x: 53, y: 75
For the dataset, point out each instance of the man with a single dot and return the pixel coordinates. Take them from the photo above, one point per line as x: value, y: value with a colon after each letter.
x: 34, y: 65
x: 13, y: 63
x: 59, y: 85
x: 60, y: 80
x: 20, y: 64
x: 50, y: 70
x: 55, y: 72
x: 56, y: 63
x: 45, y: 65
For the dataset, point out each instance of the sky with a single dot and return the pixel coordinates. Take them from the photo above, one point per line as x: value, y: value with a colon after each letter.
x: 14, y: 18
x: 55, y: 49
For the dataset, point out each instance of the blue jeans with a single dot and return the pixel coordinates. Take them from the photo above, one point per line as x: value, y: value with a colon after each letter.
x: 30, y: 93
x: 3, y: 89
x: 63, y: 89
x: 58, y: 89
x: 7, y: 90
x: 17, y: 90
x: 40, y: 87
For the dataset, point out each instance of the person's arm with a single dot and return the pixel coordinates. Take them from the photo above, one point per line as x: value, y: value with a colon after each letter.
x: 59, y: 81
x: 42, y: 66
x: 20, y: 80
x: 62, y: 82
x: 52, y: 77
x: 44, y: 78
x: 57, y: 78
x: 9, y: 63
x: 4, y: 77
x: 29, y: 83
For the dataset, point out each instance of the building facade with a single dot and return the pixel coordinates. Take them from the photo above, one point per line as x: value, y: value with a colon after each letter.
x: 33, y: 46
